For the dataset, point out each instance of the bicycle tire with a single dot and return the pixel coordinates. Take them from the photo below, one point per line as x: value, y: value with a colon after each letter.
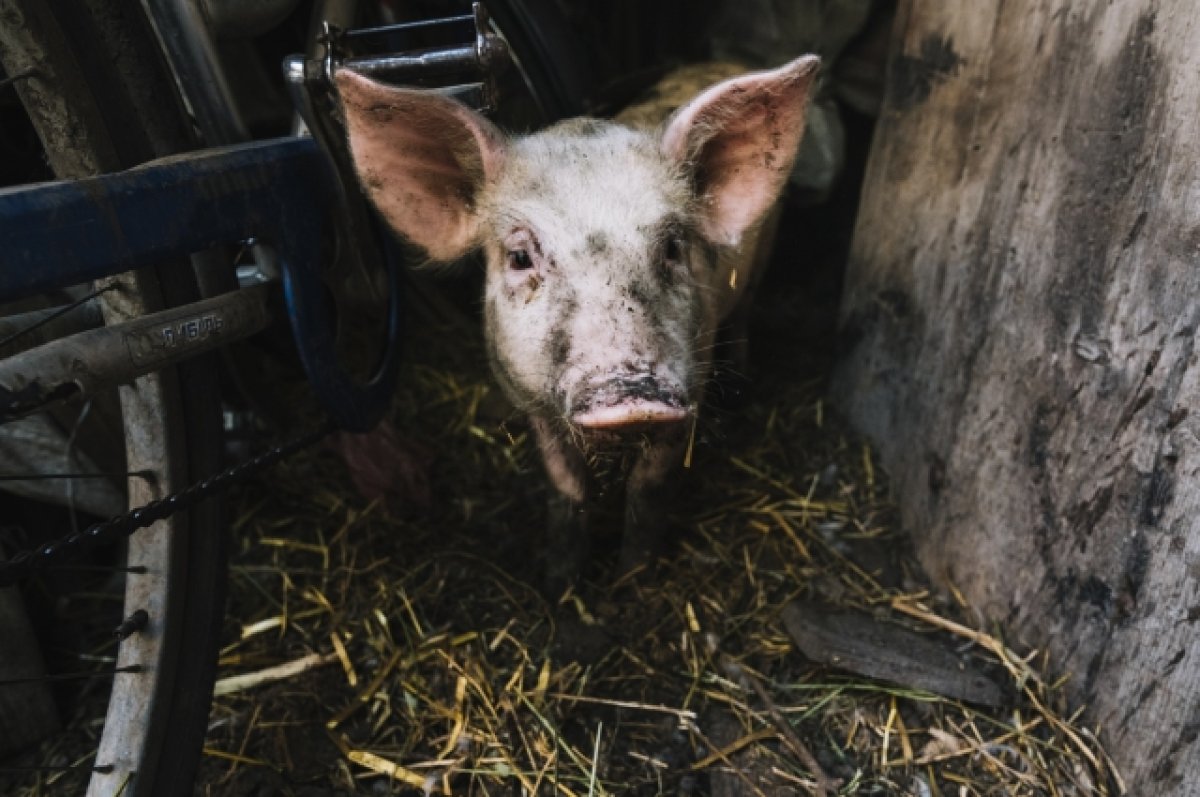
x: 100, y: 98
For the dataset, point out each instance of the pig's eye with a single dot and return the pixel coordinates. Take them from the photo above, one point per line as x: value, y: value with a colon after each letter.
x: 673, y: 251
x: 673, y: 263
x: 519, y: 260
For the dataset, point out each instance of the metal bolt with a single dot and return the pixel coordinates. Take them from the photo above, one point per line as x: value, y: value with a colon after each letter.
x: 134, y: 623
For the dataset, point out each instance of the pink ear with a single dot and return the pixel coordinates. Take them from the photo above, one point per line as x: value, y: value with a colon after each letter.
x: 740, y: 138
x: 422, y: 159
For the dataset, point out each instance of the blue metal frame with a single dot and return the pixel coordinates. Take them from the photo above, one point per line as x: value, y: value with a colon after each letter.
x: 279, y: 192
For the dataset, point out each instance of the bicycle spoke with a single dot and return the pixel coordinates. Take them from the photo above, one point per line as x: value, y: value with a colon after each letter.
x: 102, y: 768
x: 73, y: 676
x: 137, y: 569
x: 39, y: 319
x: 31, y: 477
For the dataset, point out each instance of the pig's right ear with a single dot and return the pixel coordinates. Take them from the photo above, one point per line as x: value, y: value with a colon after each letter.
x: 422, y: 159
x: 740, y: 138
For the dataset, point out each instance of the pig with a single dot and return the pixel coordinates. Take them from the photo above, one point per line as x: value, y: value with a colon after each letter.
x: 614, y: 253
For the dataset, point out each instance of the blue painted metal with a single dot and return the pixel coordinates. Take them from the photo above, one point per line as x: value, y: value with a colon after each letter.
x: 279, y: 192
x: 64, y: 233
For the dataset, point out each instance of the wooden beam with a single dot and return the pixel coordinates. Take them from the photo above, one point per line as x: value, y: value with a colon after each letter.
x: 1020, y: 328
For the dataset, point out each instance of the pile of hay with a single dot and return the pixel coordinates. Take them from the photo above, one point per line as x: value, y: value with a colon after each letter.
x: 380, y: 647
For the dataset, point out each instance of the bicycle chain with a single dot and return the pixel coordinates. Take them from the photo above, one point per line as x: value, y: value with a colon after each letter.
x: 73, y: 545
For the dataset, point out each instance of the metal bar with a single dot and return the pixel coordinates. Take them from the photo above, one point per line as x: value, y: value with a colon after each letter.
x: 356, y: 406
x: 418, y: 68
x: 401, y: 36
x: 88, y: 361
x: 69, y: 232
x: 278, y: 192
x: 244, y: 18
x: 193, y: 55
x: 461, y: 52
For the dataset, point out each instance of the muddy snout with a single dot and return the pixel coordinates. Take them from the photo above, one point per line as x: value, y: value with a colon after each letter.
x: 630, y: 403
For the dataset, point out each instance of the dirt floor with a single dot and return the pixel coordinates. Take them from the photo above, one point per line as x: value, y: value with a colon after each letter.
x: 402, y: 645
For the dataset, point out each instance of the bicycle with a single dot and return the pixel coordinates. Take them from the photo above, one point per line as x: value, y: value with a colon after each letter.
x: 84, y: 71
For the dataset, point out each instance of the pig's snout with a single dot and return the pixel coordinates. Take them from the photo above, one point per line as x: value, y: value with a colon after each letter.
x: 630, y: 415
x: 629, y: 403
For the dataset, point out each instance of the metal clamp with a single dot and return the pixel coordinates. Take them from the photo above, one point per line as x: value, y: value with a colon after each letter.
x: 458, y: 56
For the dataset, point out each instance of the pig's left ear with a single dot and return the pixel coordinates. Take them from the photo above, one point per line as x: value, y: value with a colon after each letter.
x: 422, y: 159
x: 739, y: 138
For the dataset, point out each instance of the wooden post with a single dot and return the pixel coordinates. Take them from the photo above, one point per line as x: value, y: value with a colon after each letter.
x: 1020, y: 337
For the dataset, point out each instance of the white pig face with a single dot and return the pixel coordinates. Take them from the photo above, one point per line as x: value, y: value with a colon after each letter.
x: 597, y: 296
x: 602, y: 241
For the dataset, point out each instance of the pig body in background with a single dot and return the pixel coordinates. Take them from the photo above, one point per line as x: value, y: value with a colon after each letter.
x: 614, y: 252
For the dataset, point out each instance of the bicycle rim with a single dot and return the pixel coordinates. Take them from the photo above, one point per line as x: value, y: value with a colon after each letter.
x: 100, y: 100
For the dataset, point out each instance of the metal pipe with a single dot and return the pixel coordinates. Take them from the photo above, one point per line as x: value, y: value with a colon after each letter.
x: 83, y: 363
x: 239, y: 19
x: 193, y: 57
x: 417, y: 67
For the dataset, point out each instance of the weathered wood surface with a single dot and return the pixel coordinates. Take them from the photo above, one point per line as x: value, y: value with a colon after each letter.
x: 1020, y: 340
x: 857, y: 642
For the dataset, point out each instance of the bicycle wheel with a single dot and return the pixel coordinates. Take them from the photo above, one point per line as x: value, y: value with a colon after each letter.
x: 95, y: 89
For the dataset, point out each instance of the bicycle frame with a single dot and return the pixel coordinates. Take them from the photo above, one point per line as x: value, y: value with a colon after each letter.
x: 288, y: 198
x: 276, y: 192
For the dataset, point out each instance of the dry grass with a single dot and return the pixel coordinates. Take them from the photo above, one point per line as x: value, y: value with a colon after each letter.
x: 404, y: 648
x: 411, y: 652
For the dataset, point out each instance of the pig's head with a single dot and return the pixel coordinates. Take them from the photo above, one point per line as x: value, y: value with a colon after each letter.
x: 601, y: 241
